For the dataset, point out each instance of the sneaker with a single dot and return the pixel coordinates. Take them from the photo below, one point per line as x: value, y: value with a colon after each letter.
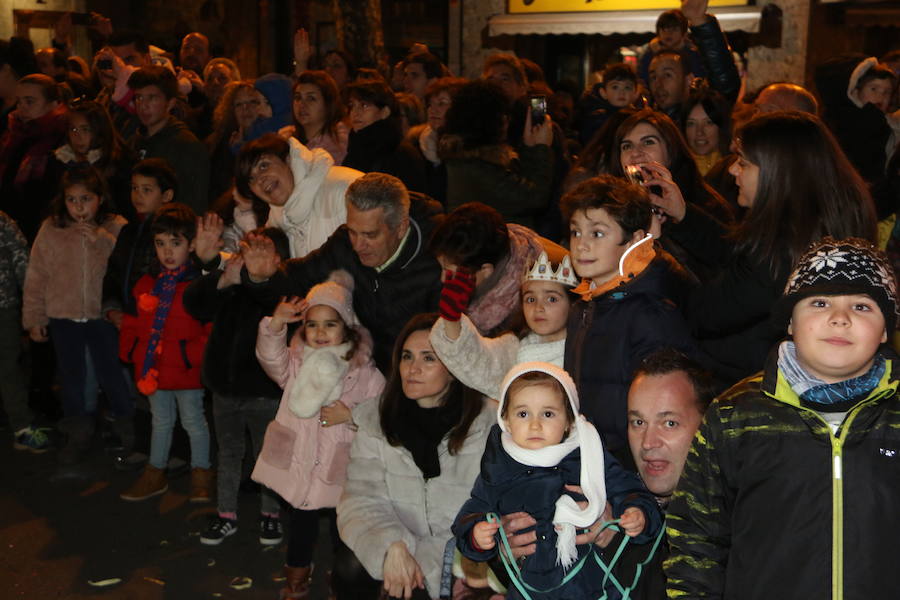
x: 33, y: 439
x: 270, y: 531
x: 219, y: 528
x: 152, y: 482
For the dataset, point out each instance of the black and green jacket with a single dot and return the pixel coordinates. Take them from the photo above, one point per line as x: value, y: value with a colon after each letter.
x: 772, y: 504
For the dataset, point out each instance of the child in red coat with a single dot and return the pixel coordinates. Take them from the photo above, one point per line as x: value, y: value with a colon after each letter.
x: 166, y: 346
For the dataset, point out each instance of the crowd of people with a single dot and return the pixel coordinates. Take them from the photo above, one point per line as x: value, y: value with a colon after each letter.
x: 634, y: 341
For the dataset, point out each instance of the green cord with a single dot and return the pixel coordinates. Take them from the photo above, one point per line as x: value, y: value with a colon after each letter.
x: 515, y: 574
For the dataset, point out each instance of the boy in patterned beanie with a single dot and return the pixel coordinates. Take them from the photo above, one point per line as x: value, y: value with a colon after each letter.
x: 794, y: 466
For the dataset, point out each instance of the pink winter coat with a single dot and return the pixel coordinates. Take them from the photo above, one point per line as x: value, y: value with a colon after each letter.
x: 305, y: 463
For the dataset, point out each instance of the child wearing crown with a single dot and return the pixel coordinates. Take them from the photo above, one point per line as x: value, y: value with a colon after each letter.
x: 480, y: 362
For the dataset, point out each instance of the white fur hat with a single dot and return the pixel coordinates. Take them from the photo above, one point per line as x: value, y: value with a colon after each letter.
x: 336, y: 292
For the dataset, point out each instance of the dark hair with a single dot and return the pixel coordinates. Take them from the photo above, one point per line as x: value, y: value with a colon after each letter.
x: 431, y: 64
x: 410, y: 107
x: 124, y: 38
x: 797, y: 96
x: 331, y: 97
x: 627, y: 203
x: 369, y: 74
x: 49, y: 88
x: 681, y: 162
x: 594, y: 157
x: 57, y: 57
x: 807, y: 189
x: 18, y: 53
x: 533, y: 71
x: 477, y: 114
x: 537, y: 378
x: 451, y: 85
x: 681, y: 57
x: 279, y: 239
x: 669, y: 360
x: 717, y: 108
x: 391, y: 406
x: 878, y: 71
x: 225, y: 203
x: 161, y: 77
x: 470, y: 236
x: 104, y: 136
x: 159, y: 170
x: 507, y: 60
x: 175, y: 218
x: 251, y: 153
x: 90, y: 178
x: 672, y: 18
x: 373, y: 91
x: 348, y: 62
x: 619, y: 72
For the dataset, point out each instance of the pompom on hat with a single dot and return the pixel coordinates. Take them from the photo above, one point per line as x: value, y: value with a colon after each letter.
x: 336, y: 292
x: 841, y: 267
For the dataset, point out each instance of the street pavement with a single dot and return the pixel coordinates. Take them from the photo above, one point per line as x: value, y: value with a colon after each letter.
x: 64, y: 529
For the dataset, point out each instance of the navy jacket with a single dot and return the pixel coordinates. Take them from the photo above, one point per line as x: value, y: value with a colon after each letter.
x: 506, y: 486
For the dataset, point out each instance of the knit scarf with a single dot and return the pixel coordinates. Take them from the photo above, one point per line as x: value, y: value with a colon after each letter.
x: 568, y: 516
x: 827, y: 397
x: 422, y: 430
x: 160, y: 301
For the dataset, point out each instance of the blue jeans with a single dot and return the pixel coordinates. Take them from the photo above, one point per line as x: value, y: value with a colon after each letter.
x: 190, y: 407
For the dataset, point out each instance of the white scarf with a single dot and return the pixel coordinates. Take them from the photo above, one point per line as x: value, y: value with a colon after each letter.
x: 568, y: 516
x: 320, y: 380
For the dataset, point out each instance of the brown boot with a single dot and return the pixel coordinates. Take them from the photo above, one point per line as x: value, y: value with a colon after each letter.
x: 201, y: 484
x: 297, y: 583
x: 152, y: 482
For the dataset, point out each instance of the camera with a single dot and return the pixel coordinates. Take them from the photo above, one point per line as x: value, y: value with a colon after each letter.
x: 538, y: 106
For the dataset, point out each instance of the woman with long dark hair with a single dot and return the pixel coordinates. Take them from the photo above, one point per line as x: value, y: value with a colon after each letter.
x: 706, y: 124
x: 798, y: 187
x: 412, y: 465
x: 319, y: 115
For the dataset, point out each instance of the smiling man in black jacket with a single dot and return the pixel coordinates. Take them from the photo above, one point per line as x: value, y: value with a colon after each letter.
x: 382, y: 245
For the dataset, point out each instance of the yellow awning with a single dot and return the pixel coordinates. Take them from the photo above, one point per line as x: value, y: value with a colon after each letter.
x: 743, y: 18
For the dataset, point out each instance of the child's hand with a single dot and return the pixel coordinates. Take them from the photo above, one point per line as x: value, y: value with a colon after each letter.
x: 88, y: 230
x: 335, y: 414
x: 208, y: 239
x: 632, y: 521
x: 287, y: 311
x: 484, y: 534
x: 38, y: 333
x: 458, y: 288
x: 260, y: 257
x: 232, y: 273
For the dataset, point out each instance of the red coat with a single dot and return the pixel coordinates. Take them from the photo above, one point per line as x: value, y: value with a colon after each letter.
x: 182, y: 344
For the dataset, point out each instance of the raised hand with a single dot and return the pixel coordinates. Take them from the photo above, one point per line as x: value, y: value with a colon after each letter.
x: 458, y: 288
x: 670, y: 199
x: 232, y: 273
x: 695, y: 11
x: 302, y: 50
x: 289, y: 310
x: 260, y: 257
x: 208, y: 241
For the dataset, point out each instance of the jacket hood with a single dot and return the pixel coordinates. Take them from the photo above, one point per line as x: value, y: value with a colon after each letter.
x: 857, y: 74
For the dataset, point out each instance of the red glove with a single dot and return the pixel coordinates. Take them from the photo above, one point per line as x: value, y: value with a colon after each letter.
x: 456, y: 293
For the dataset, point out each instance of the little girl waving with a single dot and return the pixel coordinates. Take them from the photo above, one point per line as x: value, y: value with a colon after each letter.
x: 62, y: 297
x: 326, y: 371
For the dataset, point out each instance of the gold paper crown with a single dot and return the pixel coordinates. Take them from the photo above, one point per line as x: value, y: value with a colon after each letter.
x: 542, y: 270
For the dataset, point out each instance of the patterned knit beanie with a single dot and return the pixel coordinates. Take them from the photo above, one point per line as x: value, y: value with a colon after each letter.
x: 841, y: 267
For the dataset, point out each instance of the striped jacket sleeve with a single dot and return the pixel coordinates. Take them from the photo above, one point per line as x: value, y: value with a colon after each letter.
x: 698, y: 520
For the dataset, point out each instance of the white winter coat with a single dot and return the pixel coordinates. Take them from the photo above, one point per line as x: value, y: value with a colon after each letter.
x: 386, y: 499
x: 315, y: 208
